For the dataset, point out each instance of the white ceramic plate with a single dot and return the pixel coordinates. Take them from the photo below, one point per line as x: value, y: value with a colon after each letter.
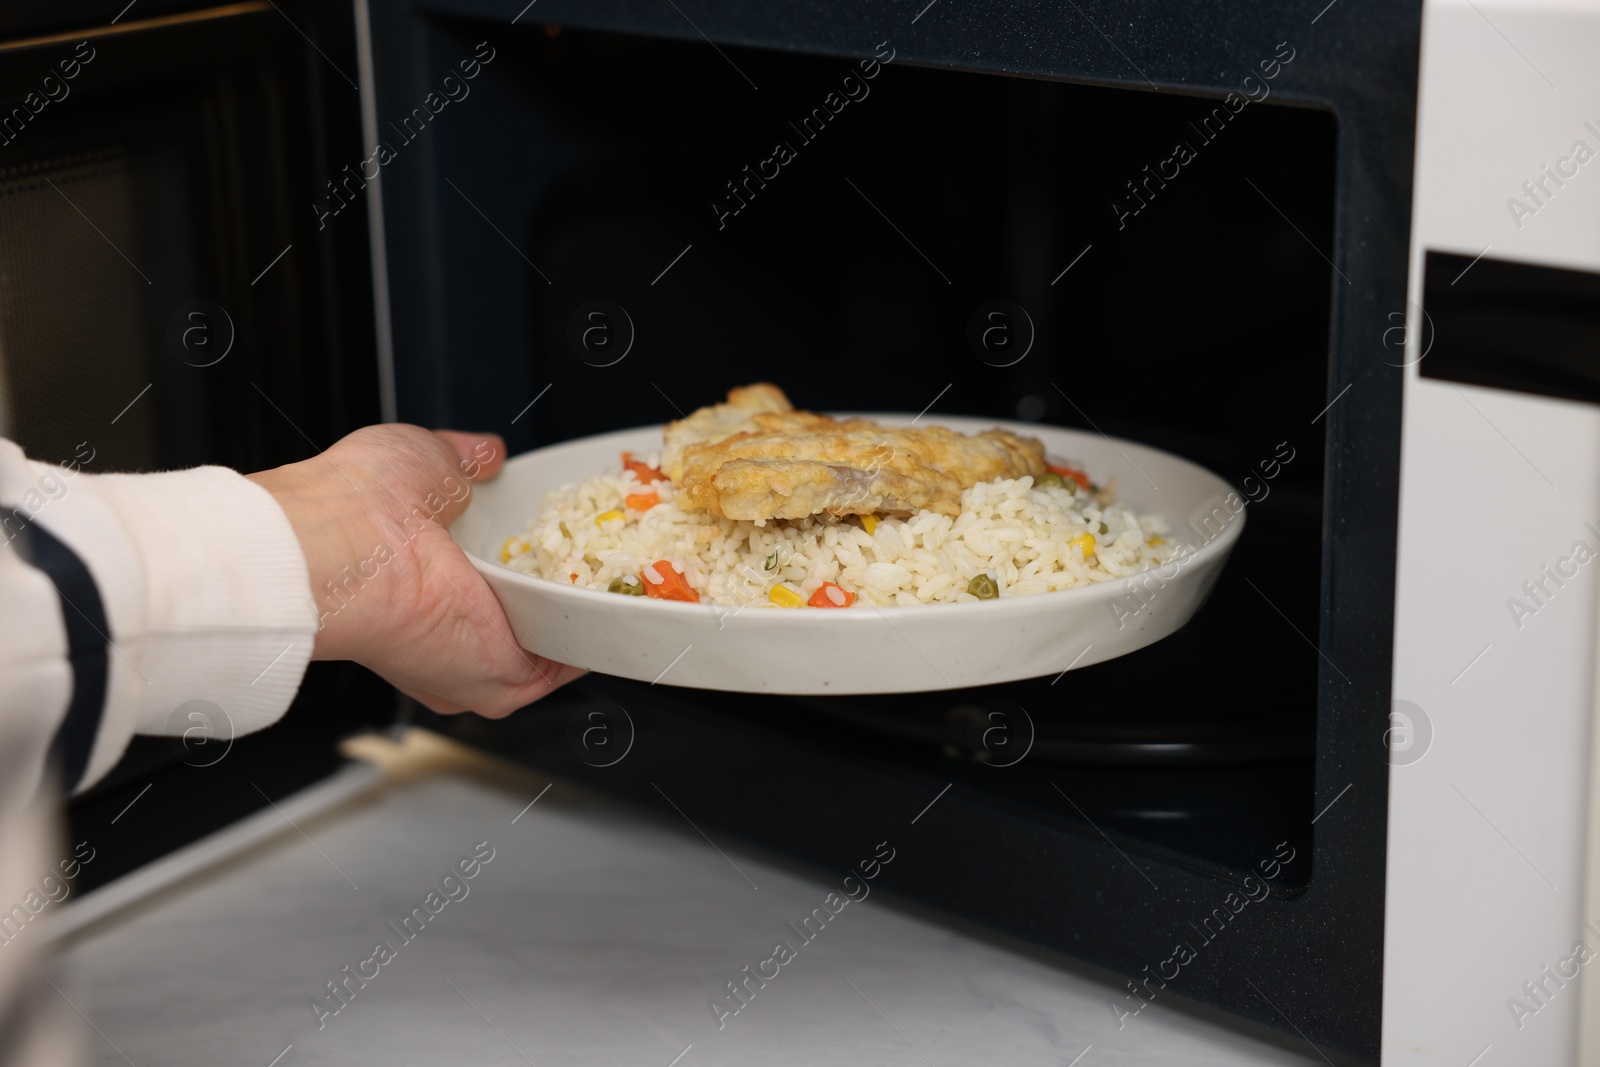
x: 862, y: 649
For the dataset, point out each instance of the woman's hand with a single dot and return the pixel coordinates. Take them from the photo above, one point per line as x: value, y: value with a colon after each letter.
x: 392, y: 590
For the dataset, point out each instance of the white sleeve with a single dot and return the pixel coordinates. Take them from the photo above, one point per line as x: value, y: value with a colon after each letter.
x: 125, y: 596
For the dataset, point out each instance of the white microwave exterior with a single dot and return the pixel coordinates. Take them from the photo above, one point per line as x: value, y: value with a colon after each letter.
x: 1487, y: 831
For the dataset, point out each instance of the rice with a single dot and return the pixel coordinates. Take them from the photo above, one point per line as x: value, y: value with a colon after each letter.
x: 1019, y: 534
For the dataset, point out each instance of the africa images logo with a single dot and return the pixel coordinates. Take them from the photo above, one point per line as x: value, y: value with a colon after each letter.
x: 354, y: 181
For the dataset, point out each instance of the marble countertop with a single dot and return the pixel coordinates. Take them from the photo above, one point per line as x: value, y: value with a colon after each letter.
x: 593, y: 933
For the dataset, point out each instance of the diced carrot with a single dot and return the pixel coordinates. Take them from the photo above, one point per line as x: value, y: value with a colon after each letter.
x: 1074, y: 473
x: 646, y: 474
x: 574, y: 578
x: 825, y: 597
x: 662, y: 581
x: 642, y: 501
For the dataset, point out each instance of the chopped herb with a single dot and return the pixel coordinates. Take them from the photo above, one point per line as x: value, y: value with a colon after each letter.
x: 772, y: 560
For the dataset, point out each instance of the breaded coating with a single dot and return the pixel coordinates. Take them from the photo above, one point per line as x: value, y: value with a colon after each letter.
x: 791, y: 464
x: 716, y: 421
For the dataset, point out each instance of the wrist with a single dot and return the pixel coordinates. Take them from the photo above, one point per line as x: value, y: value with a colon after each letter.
x: 322, y: 522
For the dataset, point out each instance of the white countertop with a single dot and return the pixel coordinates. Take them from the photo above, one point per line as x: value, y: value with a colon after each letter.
x: 596, y: 934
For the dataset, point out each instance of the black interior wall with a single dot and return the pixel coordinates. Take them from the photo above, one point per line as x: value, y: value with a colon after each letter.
x: 1197, y: 321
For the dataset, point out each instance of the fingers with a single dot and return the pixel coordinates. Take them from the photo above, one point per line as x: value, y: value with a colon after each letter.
x: 435, y: 704
x: 545, y: 678
x: 496, y: 687
x: 478, y: 456
x: 555, y: 675
x: 481, y: 454
x: 496, y: 700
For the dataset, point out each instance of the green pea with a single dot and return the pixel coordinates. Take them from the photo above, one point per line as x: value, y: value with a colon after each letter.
x: 1051, y: 478
x: 627, y: 585
x: 983, y: 587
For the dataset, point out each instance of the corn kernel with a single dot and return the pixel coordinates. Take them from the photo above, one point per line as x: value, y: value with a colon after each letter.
x: 869, y: 523
x: 506, y: 550
x: 606, y: 516
x: 1154, y: 542
x: 1086, y: 543
x: 785, y: 597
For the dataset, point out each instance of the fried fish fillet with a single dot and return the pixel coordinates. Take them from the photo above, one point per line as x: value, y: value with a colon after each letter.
x: 777, y: 464
x: 717, y: 421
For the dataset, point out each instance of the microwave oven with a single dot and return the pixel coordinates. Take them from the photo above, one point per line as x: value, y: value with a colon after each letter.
x: 1341, y: 255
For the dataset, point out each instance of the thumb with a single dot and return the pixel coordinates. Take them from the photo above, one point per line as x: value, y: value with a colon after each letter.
x: 481, y: 454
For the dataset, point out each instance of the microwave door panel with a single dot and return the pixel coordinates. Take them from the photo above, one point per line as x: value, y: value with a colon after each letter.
x: 1495, y: 618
